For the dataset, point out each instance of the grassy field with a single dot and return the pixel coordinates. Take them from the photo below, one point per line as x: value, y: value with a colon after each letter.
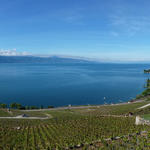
x: 85, y: 128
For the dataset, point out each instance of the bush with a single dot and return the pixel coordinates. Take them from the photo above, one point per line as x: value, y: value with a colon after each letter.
x: 50, y: 106
x: 146, y: 92
x: 3, y: 105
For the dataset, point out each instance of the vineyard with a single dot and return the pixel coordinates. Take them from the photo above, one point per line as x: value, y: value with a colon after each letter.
x: 75, y: 129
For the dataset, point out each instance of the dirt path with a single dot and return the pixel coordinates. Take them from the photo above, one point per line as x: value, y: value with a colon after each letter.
x: 144, y: 106
x: 119, y: 116
x: 50, y: 116
x: 20, y: 117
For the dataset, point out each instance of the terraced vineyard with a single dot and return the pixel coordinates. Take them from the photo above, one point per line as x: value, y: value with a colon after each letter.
x: 73, y: 129
x: 62, y: 133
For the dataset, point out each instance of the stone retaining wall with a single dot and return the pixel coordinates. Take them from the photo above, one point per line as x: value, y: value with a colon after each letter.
x: 141, y: 121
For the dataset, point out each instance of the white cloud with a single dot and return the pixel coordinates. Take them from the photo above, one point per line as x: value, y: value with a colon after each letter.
x: 12, y: 52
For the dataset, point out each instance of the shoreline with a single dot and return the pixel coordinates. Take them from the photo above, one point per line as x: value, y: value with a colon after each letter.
x: 83, y: 106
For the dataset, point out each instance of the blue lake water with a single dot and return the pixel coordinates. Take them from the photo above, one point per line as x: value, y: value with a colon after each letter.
x: 76, y: 84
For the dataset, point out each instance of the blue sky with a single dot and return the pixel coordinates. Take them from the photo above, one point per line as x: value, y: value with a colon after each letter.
x: 102, y: 29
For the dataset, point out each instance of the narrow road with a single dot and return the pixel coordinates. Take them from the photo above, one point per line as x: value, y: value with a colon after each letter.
x: 82, y: 107
x: 144, y: 106
x: 18, y: 117
x: 49, y: 117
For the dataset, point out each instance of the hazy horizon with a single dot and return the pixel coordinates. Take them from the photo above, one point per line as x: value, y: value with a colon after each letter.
x: 104, y: 59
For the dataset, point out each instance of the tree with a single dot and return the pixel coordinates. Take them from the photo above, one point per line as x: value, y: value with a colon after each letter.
x: 15, y: 105
x: 148, y: 83
x: 18, y: 106
x: 22, y: 108
x: 50, y: 106
x: 41, y: 107
x: 3, y: 105
x: 27, y: 107
x: 34, y: 107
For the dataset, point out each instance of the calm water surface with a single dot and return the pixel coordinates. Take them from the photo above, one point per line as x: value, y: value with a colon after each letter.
x: 76, y: 84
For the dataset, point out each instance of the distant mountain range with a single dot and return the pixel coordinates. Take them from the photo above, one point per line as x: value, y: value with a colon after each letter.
x: 38, y: 59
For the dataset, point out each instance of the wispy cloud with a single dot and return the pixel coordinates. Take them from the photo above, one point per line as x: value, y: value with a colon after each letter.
x: 74, y: 15
x: 130, y: 17
x: 131, y: 24
x: 75, y: 18
x: 115, y: 34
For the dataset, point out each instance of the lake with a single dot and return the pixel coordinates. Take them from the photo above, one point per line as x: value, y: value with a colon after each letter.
x: 75, y: 84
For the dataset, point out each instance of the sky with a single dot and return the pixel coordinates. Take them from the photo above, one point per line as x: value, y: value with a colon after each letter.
x: 111, y: 30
